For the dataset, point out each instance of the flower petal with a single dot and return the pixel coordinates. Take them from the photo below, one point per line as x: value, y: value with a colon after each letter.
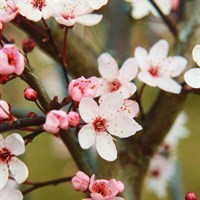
x: 2, y: 144
x: 122, y: 126
x: 89, y: 19
x: 88, y: 109
x: 159, y: 50
x: 169, y: 85
x: 192, y: 77
x: 86, y: 136
x: 196, y: 54
x: 15, y: 144
x: 107, y: 66
x: 141, y: 57
x: 147, y: 78
x: 11, y: 194
x: 129, y: 69
x: 140, y: 9
x: 18, y: 169
x: 106, y: 147
x: 4, y: 174
x: 127, y: 90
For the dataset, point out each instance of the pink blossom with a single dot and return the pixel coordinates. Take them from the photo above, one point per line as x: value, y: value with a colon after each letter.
x: 102, y: 189
x: 77, y: 11
x: 11, y: 147
x: 80, y: 182
x: 73, y: 118
x: 4, y: 110
x: 158, y: 70
x: 104, y: 122
x: 8, y: 10
x: 116, y: 80
x: 30, y: 94
x: 35, y: 10
x: 56, y: 120
x: 81, y: 87
x: 11, y: 60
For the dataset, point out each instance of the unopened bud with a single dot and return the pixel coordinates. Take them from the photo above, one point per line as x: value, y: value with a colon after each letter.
x: 28, y: 45
x: 31, y: 114
x: 4, y: 78
x: 73, y: 118
x: 190, y: 196
x: 30, y: 94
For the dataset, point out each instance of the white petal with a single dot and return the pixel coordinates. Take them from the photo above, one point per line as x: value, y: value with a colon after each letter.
x: 97, y: 4
x: 176, y: 65
x: 103, y: 87
x: 88, y: 109
x: 127, y: 89
x: 2, y: 144
x: 107, y: 66
x: 122, y: 126
x: 192, y: 77
x: 159, y: 50
x: 106, y: 147
x: 147, y: 78
x: 140, y: 9
x: 15, y: 144
x: 11, y: 194
x: 4, y: 174
x: 89, y: 19
x: 165, y: 7
x: 141, y: 57
x: 110, y: 103
x: 196, y: 54
x: 18, y: 169
x: 129, y: 69
x: 170, y: 85
x: 86, y: 136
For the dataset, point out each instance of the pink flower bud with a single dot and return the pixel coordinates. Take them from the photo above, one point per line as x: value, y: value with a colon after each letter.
x: 74, y: 119
x: 80, y: 182
x: 190, y: 196
x: 31, y: 114
x: 30, y: 94
x: 4, y: 79
x: 28, y: 45
x: 4, y: 110
x: 1, y: 26
x: 56, y: 120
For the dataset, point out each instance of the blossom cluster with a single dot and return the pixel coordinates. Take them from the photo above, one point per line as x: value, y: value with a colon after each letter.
x: 98, y: 189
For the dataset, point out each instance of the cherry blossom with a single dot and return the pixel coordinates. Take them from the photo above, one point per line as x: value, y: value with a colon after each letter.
x: 130, y: 108
x: 56, y: 120
x: 82, y: 87
x: 141, y: 8
x: 4, y: 110
x: 192, y: 76
x: 158, y: 70
x: 73, y: 118
x: 8, y: 10
x: 80, y: 182
x: 105, y: 189
x: 35, y: 10
x: 11, y: 60
x: 116, y: 80
x: 30, y: 94
x: 77, y: 11
x: 12, y: 146
x: 104, y: 122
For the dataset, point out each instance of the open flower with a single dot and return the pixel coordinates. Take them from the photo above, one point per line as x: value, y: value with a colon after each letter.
x: 56, y: 120
x: 105, y: 189
x: 11, y: 147
x: 8, y: 10
x: 116, y: 80
x: 103, y: 122
x: 35, y: 10
x: 141, y: 8
x: 158, y: 70
x: 11, y: 60
x: 77, y: 11
x: 192, y: 76
x: 82, y: 87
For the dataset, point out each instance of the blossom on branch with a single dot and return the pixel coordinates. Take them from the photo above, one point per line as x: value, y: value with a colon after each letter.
x: 192, y: 76
x: 8, y: 10
x: 56, y: 120
x: 141, y: 8
x: 116, y: 80
x: 158, y: 70
x: 104, y: 122
x: 82, y: 87
x: 77, y: 11
x: 11, y: 60
x: 12, y: 146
